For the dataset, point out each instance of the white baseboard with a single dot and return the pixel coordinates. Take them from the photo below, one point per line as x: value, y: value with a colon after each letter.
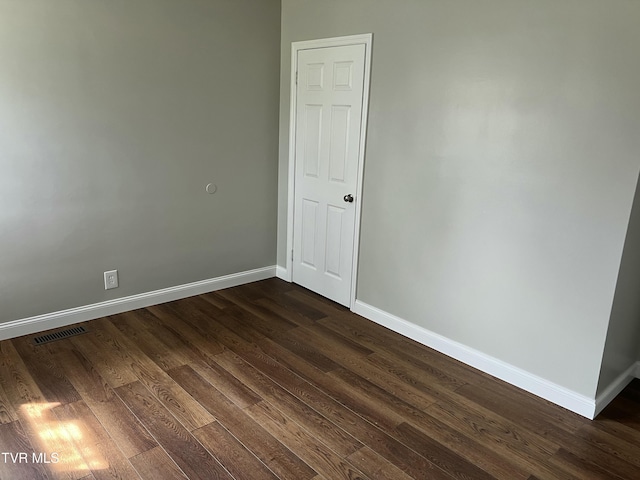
x: 609, y: 393
x: 557, y: 394
x: 63, y: 318
x: 283, y: 274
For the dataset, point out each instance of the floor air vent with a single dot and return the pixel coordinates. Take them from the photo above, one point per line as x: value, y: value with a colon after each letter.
x: 52, y: 337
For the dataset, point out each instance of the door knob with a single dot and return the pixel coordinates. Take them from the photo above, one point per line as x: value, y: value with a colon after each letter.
x: 348, y: 198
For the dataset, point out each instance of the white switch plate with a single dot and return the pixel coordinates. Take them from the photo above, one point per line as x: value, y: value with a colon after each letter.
x: 111, y: 279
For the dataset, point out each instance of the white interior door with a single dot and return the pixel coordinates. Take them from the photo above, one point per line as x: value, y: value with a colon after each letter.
x: 329, y: 106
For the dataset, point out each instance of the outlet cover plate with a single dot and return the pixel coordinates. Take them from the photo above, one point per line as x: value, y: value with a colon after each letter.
x: 111, y: 279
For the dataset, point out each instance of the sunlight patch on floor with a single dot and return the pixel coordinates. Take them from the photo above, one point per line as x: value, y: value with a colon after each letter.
x: 62, y: 444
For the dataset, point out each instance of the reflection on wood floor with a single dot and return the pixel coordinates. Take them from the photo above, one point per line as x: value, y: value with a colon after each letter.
x: 268, y: 381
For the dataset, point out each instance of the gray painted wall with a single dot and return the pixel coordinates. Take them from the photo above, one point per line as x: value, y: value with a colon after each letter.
x: 623, y: 337
x: 114, y: 115
x: 502, y: 160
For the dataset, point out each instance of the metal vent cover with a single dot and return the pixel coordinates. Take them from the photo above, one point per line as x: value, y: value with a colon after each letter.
x: 52, y: 337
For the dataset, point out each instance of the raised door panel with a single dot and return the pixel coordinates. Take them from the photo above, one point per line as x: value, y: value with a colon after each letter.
x: 311, y: 136
x: 334, y: 238
x: 339, y: 142
x: 309, y: 233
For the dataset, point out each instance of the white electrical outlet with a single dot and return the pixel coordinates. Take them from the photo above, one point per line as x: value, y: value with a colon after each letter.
x: 111, y: 279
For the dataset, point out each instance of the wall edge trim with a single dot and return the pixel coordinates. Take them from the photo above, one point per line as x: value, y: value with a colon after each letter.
x: 518, y: 377
x: 62, y: 318
x: 283, y: 274
x: 616, y: 386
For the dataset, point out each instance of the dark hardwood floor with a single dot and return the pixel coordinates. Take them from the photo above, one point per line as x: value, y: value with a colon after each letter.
x: 270, y: 381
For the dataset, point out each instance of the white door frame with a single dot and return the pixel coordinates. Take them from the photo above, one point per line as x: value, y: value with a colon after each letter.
x: 367, y: 40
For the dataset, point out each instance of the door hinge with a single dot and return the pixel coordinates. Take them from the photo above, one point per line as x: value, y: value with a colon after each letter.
x: 292, y: 255
x: 296, y: 78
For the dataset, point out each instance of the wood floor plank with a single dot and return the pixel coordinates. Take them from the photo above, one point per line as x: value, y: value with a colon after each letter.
x: 269, y: 380
x: 177, y: 441
x: 155, y: 464
x: 627, y: 410
x: 211, y: 327
x: 239, y: 461
x: 474, y: 450
x: 585, y: 469
x: 401, y: 389
x: 262, y: 316
x: 114, y: 367
x: 288, y: 404
x: 7, y: 413
x: 271, y: 288
x: 352, y: 423
x: 289, y: 314
x: 327, y: 462
x: 247, y: 292
x: 386, y: 445
x: 241, y: 327
x: 490, y: 424
x: 307, y: 352
x: 182, y: 325
x: 502, y: 469
x: 357, y: 393
x: 333, y: 347
x: 401, y: 349
x: 586, y: 443
x: 537, y: 416
x: 261, y: 319
x: 172, y: 396
x: 366, y: 407
x: 218, y: 302
x: 45, y: 371
x: 296, y: 307
x: 417, y: 369
x: 123, y: 427
x: 135, y: 328
x: 100, y: 453
x: 315, y: 307
x: 185, y: 344
x: 374, y: 466
x: 13, y: 441
x: 365, y: 393
x: 329, y: 337
x: 425, y: 381
x: 344, y: 351
x: 619, y: 420
x: 267, y: 448
x: 613, y: 436
x: 449, y: 461
x: 36, y: 417
x: 507, y: 443
x: 590, y: 445
x: 232, y: 387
